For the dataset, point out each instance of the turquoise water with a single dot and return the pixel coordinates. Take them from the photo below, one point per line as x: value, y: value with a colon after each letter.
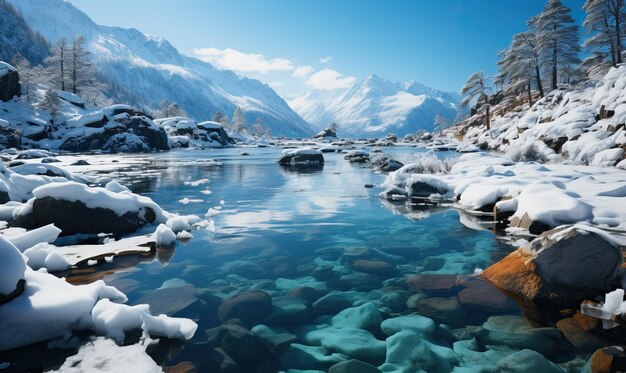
x: 279, y: 229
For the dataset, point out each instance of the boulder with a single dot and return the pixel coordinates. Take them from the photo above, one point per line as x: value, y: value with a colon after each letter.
x: 9, y: 82
x: 527, y: 223
x: 566, y: 263
x: 276, y: 342
x: 366, y: 316
x: 74, y: 217
x: 302, y: 158
x: 251, y: 307
x: 125, y: 134
x: 374, y: 267
x: 478, y: 294
x: 607, y: 360
x: 326, y: 133
x: 424, y: 190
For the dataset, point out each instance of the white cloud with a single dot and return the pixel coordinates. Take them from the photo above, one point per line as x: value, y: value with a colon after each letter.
x: 302, y: 71
x: 326, y: 59
x: 276, y: 84
x: 232, y: 59
x: 330, y: 79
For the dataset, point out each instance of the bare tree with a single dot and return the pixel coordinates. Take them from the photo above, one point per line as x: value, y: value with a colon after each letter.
x: 57, y: 64
x: 169, y: 109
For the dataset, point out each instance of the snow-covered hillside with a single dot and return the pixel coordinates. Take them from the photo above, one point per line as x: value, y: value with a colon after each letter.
x: 375, y: 106
x: 143, y: 70
x: 581, y: 125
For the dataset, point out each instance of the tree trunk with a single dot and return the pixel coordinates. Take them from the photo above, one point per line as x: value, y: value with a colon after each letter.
x: 618, y: 32
x: 538, y: 77
x: 554, y: 64
x: 530, y: 95
x: 487, y: 119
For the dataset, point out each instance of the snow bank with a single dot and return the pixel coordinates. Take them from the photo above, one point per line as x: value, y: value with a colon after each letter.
x: 46, y: 256
x: 23, y: 241
x: 103, y: 355
x: 552, y: 194
x: 113, y: 320
x: 12, y: 267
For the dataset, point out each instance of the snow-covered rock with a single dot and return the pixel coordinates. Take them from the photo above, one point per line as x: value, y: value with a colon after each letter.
x: 205, y: 134
x: 302, y: 157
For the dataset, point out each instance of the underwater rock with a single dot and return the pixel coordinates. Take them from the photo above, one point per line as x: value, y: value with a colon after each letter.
x: 275, y: 340
x: 336, y: 301
x: 414, y: 323
x: 442, y: 310
x: 251, y: 307
x: 527, y: 361
x: 353, y: 366
x: 308, y: 294
x: 355, y: 343
x: 374, y: 267
x: 409, y: 352
x: 361, y: 281
x: 288, y: 311
x: 366, y: 316
x: 235, y: 339
x: 566, y: 263
x: 478, y: 294
x: 304, y: 357
x: 433, y: 285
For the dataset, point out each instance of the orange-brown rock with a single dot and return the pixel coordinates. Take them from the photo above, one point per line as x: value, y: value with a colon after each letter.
x: 608, y: 360
x: 563, y: 264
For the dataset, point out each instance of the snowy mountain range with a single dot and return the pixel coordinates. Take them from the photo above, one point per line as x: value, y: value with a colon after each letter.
x: 375, y: 106
x: 143, y: 70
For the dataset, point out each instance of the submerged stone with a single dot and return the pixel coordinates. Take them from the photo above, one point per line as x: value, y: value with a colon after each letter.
x: 251, y: 307
x: 366, y: 316
x: 415, y: 323
x: 353, y: 366
x: 527, y: 361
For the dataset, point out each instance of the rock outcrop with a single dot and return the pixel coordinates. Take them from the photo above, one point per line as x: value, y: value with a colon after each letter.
x: 9, y: 82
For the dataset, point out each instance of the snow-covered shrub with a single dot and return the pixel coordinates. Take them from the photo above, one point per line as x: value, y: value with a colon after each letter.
x: 429, y: 163
x: 527, y: 153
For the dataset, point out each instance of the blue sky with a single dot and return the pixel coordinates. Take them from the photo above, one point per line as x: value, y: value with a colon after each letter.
x: 297, y: 45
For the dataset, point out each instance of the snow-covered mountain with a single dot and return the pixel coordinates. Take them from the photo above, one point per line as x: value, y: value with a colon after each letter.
x: 375, y: 106
x: 17, y: 37
x: 143, y: 70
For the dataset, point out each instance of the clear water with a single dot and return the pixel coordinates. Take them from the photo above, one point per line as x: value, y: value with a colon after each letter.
x: 277, y: 223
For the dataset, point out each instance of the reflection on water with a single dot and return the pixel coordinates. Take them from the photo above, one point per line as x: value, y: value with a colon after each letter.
x: 280, y: 229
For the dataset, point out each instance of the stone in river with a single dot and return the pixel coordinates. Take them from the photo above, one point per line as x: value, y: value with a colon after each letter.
x: 607, y: 360
x: 480, y: 295
x: 353, y: 366
x: 415, y: 323
x: 361, y: 281
x: 442, y: 310
x: 235, y: 339
x: 527, y: 361
x: 433, y: 285
x: 251, y: 307
x: 275, y: 340
x: 366, y: 316
x: 374, y: 267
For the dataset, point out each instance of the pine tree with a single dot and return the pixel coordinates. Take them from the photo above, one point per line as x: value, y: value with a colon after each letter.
x: 519, y: 65
x: 557, y: 39
x: 239, y: 124
x: 476, y: 88
x: 57, y: 65
x: 603, y: 23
